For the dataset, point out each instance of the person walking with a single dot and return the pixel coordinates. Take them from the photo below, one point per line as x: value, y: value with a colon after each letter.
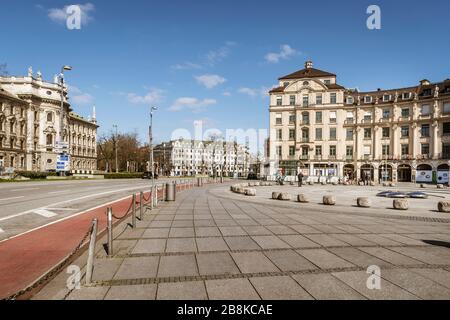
x: 300, y: 179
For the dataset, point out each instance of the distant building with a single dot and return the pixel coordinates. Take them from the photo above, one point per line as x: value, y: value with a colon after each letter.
x: 30, y: 125
x: 193, y: 157
x: 323, y: 129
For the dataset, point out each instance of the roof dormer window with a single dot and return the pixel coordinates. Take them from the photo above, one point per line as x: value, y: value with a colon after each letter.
x: 306, y: 83
x: 327, y: 81
x: 386, y: 98
x: 368, y: 99
x: 350, y: 100
x: 406, y: 95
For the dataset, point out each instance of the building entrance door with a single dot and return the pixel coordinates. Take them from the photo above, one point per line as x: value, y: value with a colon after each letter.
x: 404, y: 173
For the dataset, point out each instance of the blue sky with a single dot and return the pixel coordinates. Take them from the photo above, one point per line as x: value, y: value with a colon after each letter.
x: 212, y: 60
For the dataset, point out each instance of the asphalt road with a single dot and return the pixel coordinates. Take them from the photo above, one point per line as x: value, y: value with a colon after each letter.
x: 26, y: 206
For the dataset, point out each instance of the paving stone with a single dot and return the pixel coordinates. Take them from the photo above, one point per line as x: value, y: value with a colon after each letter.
x: 181, y: 232
x: 289, y: 260
x: 326, y: 287
x: 160, y: 224
x: 421, y: 254
x: 150, y: 246
x: 105, y: 269
x: 324, y: 259
x: 358, y: 281
x: 391, y: 256
x: 352, y: 240
x: 358, y: 257
x: 137, y: 268
x: 204, y: 223
x: 232, y: 231
x: 279, y: 288
x: 280, y: 230
x: 219, y: 263
x: 257, y: 230
x: 134, y: 292
x: 177, y: 266
x: 183, y: 224
x: 181, y: 245
x: 207, y: 232
x: 326, y: 240
x: 231, y: 289
x: 156, y: 233
x: 299, y: 241
x: 305, y: 229
x: 270, y: 242
x: 418, y: 285
x: 253, y: 262
x: 403, y: 239
x: 241, y: 243
x: 226, y: 223
x: 192, y: 290
x: 440, y: 276
x: 328, y: 228
x: 90, y: 293
x: 379, y: 240
x: 211, y: 244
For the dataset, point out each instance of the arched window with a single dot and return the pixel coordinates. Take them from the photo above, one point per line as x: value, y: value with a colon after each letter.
x: 49, y: 139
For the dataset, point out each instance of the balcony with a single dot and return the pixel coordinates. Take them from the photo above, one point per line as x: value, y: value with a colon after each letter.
x: 305, y: 140
x: 404, y: 119
x: 349, y: 158
x: 304, y: 122
x: 366, y: 121
x: 304, y: 157
x: 385, y: 119
x: 349, y: 121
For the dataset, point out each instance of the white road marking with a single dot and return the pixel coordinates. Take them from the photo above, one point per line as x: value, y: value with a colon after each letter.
x: 1, y: 230
x: 59, y: 192
x: 45, y: 213
x: 61, y: 209
x: 13, y: 198
x: 24, y: 189
x: 69, y: 201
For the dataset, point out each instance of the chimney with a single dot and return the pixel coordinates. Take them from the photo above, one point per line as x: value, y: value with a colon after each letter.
x: 308, y: 64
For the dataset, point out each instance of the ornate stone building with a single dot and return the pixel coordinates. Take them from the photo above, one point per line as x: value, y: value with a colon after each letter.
x: 323, y: 129
x: 36, y: 104
x: 191, y: 157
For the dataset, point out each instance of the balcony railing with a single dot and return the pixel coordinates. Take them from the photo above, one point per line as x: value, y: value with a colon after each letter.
x: 349, y: 121
x: 304, y: 157
x: 305, y: 140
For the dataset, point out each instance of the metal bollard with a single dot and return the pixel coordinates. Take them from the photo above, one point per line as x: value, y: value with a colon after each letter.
x: 152, y: 194
x: 141, y: 206
x: 156, y: 196
x: 110, y: 232
x: 91, y: 255
x: 133, y: 212
x: 163, y: 192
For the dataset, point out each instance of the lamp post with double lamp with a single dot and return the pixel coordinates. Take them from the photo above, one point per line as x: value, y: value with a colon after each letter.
x: 60, y: 139
x: 150, y: 133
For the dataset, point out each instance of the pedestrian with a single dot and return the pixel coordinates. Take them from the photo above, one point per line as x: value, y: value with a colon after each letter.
x: 300, y: 179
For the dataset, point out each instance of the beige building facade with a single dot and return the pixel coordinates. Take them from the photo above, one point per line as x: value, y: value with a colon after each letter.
x: 31, y: 116
x: 185, y: 157
x: 325, y: 130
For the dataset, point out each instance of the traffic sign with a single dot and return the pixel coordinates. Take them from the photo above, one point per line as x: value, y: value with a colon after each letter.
x: 63, y: 163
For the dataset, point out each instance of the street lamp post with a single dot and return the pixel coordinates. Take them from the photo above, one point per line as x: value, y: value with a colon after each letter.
x: 61, y: 115
x: 150, y: 132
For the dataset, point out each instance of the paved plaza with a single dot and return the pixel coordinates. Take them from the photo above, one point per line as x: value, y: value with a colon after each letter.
x: 213, y: 244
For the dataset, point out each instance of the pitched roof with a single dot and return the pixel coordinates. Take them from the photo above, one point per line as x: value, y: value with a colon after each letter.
x: 308, y: 73
x: 8, y: 95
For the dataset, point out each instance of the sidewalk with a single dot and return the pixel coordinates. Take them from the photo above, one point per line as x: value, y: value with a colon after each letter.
x: 206, y: 247
x: 24, y: 259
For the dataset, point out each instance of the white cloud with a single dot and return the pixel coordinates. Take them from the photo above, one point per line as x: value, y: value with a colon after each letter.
x: 59, y: 15
x: 210, y: 80
x: 79, y: 97
x: 194, y: 104
x: 227, y: 94
x: 285, y: 53
x: 186, y: 66
x: 261, y: 92
x: 154, y: 95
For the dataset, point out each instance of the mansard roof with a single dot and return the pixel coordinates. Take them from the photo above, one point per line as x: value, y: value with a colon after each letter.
x: 307, y: 73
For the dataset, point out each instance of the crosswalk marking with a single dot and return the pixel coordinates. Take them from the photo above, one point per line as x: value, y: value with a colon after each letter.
x: 45, y: 213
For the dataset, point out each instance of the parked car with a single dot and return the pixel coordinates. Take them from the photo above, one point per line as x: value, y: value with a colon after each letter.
x: 148, y: 175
